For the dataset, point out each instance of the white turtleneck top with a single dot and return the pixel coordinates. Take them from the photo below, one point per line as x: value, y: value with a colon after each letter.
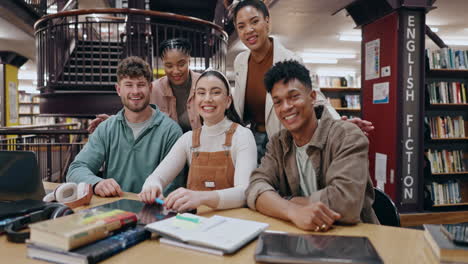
x: 243, y: 153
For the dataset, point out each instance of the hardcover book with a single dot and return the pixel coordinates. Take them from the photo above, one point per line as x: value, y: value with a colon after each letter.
x: 91, y: 253
x: 79, y: 229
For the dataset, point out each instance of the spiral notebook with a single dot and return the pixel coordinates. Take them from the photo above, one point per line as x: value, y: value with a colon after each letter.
x: 216, y: 235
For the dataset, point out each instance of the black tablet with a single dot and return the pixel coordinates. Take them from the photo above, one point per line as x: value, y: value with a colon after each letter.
x: 146, y: 213
x: 308, y: 248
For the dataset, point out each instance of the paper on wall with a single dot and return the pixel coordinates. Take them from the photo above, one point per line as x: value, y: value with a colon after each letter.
x: 380, y: 93
x: 380, y: 167
x: 372, y: 59
x: 13, y: 99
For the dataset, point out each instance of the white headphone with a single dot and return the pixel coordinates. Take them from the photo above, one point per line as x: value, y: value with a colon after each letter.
x: 71, y: 194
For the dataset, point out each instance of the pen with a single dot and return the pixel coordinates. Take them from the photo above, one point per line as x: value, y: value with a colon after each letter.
x: 187, y: 218
x: 159, y: 201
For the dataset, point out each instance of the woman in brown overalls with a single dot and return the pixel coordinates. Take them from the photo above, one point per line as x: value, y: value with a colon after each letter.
x: 221, y: 154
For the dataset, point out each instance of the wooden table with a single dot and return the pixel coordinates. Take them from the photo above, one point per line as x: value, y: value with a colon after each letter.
x: 395, y: 245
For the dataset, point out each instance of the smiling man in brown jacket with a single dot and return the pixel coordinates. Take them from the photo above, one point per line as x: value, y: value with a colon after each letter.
x: 315, y: 171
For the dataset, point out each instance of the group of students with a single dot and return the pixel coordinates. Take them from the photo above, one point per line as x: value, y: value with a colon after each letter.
x: 312, y: 173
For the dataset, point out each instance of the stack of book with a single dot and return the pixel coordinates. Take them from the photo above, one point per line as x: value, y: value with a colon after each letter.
x: 86, y: 237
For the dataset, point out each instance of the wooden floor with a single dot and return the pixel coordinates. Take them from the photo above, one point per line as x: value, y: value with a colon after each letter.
x: 418, y: 219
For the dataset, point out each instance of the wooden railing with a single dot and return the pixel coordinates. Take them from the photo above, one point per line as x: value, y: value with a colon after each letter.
x: 55, y: 148
x: 137, y: 32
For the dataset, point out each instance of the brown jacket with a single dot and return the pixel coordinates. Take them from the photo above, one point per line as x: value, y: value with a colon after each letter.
x: 164, y: 98
x: 339, y: 154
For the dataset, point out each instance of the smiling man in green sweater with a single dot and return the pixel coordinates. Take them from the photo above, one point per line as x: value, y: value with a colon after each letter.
x: 130, y: 144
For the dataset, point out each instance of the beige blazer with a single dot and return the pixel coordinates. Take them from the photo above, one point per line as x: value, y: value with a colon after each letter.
x: 280, y: 53
x: 164, y: 98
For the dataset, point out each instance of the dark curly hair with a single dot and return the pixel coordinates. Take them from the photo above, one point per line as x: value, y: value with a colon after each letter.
x: 257, y: 4
x: 179, y: 44
x: 286, y: 71
x: 134, y: 67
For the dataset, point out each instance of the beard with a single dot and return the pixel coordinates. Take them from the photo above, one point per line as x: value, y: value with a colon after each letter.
x: 135, y: 107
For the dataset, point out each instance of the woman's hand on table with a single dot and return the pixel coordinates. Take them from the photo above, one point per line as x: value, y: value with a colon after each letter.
x: 184, y: 199
x: 149, y: 194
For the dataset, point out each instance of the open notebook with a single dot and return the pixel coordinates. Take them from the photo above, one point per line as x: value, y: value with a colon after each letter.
x: 216, y: 235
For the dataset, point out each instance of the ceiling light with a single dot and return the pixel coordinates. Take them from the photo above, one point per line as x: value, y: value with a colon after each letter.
x: 95, y: 17
x: 27, y: 75
x: 344, y: 37
x: 73, y: 26
x: 320, y: 61
x: 335, y: 72
x: 434, y: 29
x: 328, y: 55
x: 456, y: 42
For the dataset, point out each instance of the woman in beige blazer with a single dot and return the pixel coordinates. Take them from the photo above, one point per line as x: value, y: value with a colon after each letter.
x: 252, y: 21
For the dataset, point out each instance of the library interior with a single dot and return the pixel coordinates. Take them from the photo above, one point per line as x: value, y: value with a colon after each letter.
x: 111, y: 113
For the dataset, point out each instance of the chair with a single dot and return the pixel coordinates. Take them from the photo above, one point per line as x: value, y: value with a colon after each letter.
x: 385, y: 209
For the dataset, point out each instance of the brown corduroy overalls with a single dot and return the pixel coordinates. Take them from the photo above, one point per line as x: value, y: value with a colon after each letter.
x: 211, y: 170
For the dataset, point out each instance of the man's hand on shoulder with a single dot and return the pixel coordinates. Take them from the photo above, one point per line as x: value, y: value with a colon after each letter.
x: 95, y: 122
x: 364, y: 125
x: 315, y: 216
x: 108, y: 188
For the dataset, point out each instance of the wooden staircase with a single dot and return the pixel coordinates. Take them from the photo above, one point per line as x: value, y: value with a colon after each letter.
x: 92, y: 66
x: 89, y: 75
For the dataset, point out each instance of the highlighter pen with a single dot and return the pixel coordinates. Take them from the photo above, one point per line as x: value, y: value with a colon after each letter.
x: 187, y: 218
x: 159, y: 201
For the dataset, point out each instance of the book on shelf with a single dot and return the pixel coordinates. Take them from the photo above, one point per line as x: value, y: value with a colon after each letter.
x: 447, y: 126
x: 79, y: 229
x: 216, y: 235
x: 312, y: 248
x: 91, y: 253
x: 335, y: 102
x: 446, y: 193
x: 25, y: 120
x: 349, y: 80
x: 43, y: 120
x: 448, y: 92
x: 36, y: 109
x: 25, y: 109
x: 353, y: 101
x: 25, y: 97
x: 445, y: 249
x: 447, y: 58
x: 447, y: 161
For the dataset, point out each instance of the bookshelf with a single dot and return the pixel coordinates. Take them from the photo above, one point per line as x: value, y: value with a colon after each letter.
x: 446, y: 118
x: 342, y: 92
x: 28, y: 110
x: 345, y: 100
